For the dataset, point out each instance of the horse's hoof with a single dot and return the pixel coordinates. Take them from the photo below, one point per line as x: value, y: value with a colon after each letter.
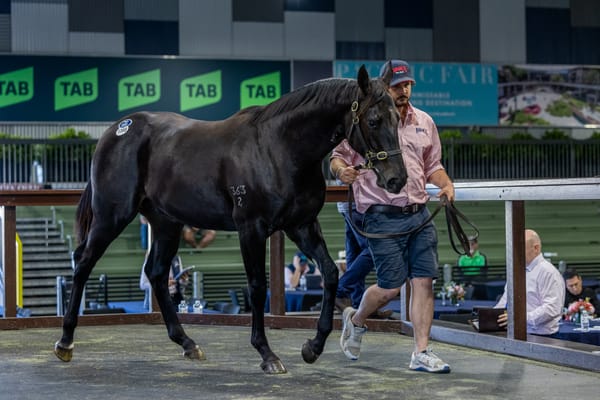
x: 195, y: 353
x: 65, y: 353
x: 308, y: 354
x: 273, y: 367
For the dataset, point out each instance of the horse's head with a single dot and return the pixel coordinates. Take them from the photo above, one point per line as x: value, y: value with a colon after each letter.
x: 374, y: 131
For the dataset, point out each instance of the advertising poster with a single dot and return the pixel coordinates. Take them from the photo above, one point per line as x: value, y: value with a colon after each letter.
x: 549, y: 95
x: 50, y: 88
x: 453, y: 94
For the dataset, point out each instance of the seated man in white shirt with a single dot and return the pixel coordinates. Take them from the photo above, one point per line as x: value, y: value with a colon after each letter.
x: 545, y: 290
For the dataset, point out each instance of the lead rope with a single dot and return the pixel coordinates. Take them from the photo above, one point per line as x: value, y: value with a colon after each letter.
x: 452, y: 215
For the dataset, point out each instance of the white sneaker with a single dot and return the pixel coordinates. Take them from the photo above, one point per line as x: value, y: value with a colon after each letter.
x: 351, y: 335
x: 427, y: 361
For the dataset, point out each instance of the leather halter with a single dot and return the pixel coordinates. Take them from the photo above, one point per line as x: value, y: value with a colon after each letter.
x: 371, y: 156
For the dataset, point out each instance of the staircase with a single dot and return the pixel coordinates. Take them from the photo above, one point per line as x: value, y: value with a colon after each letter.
x: 45, y: 256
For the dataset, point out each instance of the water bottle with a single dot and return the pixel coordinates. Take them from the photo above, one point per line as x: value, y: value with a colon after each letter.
x: 447, y: 273
x: 585, y: 321
x: 198, y: 309
x: 562, y: 266
x: 183, y: 308
x: 303, y: 282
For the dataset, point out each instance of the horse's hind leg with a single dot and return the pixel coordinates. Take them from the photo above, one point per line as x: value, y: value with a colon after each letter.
x: 85, y: 258
x: 164, y: 247
x: 252, y: 244
x: 310, y: 240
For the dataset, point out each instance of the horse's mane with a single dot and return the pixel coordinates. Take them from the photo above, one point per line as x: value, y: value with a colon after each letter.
x: 324, y: 91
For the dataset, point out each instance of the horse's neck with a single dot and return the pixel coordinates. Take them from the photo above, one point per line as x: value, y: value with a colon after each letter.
x: 311, y: 127
x: 315, y: 135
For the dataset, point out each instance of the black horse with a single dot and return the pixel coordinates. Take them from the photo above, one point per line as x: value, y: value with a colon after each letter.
x: 256, y: 173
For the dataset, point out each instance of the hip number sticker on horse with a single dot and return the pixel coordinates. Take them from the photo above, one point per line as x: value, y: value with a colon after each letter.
x: 239, y: 192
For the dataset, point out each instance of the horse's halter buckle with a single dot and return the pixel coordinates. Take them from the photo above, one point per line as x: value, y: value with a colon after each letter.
x: 371, y: 156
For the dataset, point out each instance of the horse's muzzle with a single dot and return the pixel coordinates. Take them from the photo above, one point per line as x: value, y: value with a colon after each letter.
x: 395, y: 184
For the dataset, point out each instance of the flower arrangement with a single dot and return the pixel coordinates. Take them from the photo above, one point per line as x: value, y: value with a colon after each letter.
x: 577, y: 307
x: 454, y: 291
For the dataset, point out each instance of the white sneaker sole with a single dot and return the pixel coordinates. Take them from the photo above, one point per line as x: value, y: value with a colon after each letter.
x: 346, y: 352
x: 425, y: 369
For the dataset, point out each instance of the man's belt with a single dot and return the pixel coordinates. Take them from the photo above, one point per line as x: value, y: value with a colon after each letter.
x: 389, y: 209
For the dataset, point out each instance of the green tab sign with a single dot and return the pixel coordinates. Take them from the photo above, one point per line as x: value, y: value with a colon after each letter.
x: 75, y: 89
x: 16, y: 86
x: 200, y: 91
x: 138, y: 90
x: 260, y: 90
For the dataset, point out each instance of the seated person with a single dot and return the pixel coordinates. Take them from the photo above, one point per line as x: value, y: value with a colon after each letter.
x: 544, y: 288
x: 473, y: 264
x: 176, y: 287
x: 299, y: 266
x: 207, y: 236
x: 576, y: 291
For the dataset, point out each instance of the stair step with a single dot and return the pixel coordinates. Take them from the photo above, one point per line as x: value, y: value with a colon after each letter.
x: 40, y: 292
x: 40, y: 282
x: 46, y: 249
x: 48, y: 300
x: 33, y: 219
x: 32, y: 233
x: 43, y: 311
x: 37, y: 229
x: 47, y: 263
x: 47, y: 273
x: 46, y: 257
x: 43, y: 242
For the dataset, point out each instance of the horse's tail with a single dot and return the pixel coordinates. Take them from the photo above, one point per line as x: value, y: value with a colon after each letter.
x: 84, y: 215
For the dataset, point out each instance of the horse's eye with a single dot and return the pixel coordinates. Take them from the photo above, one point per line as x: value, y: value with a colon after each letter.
x: 372, y: 123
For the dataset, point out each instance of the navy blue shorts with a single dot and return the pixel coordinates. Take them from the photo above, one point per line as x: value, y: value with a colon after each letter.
x: 412, y: 256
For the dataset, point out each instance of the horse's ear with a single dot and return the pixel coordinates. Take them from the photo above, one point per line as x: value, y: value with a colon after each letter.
x: 364, y: 83
x: 387, y: 74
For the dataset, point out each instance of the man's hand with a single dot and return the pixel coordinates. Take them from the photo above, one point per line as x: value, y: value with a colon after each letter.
x: 503, y: 319
x: 348, y: 175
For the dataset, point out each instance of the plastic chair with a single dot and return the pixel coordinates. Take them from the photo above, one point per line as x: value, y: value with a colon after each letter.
x: 230, y: 308
x: 234, y: 297
x: 226, y: 308
x: 220, y: 305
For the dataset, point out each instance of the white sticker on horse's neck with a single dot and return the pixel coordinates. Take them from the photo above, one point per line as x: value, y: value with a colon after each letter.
x: 124, y: 126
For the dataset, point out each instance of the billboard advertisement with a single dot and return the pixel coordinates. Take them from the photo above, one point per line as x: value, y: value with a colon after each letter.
x: 50, y: 88
x: 549, y: 95
x: 453, y: 94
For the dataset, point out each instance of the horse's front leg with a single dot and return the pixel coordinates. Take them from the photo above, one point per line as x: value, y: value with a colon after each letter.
x: 310, y: 240
x: 252, y: 245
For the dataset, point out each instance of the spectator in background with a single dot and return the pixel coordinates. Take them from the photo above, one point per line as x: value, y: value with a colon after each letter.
x: 299, y: 266
x: 576, y: 291
x: 178, y: 282
x: 207, y: 236
x: 472, y: 264
x: 545, y: 290
x: 359, y: 264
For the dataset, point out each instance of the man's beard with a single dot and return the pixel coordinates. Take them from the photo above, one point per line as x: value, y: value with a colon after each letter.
x: 401, y: 101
